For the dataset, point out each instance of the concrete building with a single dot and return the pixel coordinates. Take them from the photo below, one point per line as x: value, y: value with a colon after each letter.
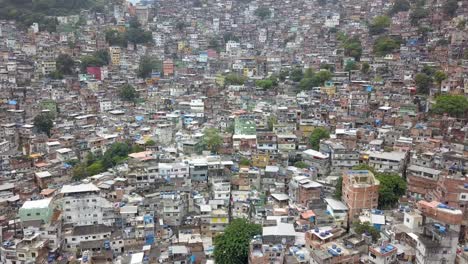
x: 115, y: 55
x: 360, y: 190
x: 82, y: 204
x: 303, y: 191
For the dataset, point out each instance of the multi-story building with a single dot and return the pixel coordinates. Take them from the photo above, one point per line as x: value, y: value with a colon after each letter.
x: 302, y: 190
x: 387, y: 161
x: 421, y: 180
x: 174, y: 207
x: 115, y: 55
x: 440, y: 233
x: 360, y: 190
x: 260, y: 253
x: 341, y: 159
x: 82, y: 204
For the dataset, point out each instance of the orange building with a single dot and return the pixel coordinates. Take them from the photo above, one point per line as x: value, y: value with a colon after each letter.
x: 360, y: 190
x: 168, y: 67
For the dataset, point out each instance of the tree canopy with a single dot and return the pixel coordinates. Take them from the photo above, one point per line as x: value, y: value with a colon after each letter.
x: 366, y: 227
x: 301, y: 165
x: 379, y: 24
x: 399, y: 6
x: 147, y: 66
x: 385, y: 45
x: 351, y: 66
x: 232, y: 247
x: 212, y: 140
x: 64, y: 64
x: 26, y: 12
x: 352, y: 47
x: 97, y: 59
x: 450, y: 7
x: 296, y: 75
x: 439, y: 77
x: 423, y: 83
x: 263, y: 12
x: 365, y: 68
x: 392, y: 187
x: 95, y: 164
x: 234, y: 79
x: 318, y: 134
x: 268, y: 83
x: 44, y: 123
x: 338, y: 189
x: 128, y: 93
x: 453, y: 105
x: 311, y: 79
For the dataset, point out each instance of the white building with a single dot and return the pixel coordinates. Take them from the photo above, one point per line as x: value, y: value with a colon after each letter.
x: 83, y: 205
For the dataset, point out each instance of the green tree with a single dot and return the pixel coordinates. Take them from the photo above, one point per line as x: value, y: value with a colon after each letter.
x: 365, y: 68
x: 296, y: 75
x: 417, y: 14
x: 365, y: 167
x: 232, y: 247
x: 453, y: 105
x: 245, y: 162
x: 44, y: 123
x: 56, y: 75
x: 392, y: 187
x: 264, y: 84
x: 283, y: 75
x: 139, y: 36
x: 212, y: 139
x: 95, y: 168
x: 323, y: 76
x: 128, y: 93
x: 147, y: 66
x: 379, y: 24
x: 325, y: 66
x: 450, y: 7
x: 351, y: 66
x: 234, y: 79
x: 366, y: 227
x: 307, y: 83
x: 423, y: 83
x: 214, y: 44
x: 301, y: 165
x: 65, y: 64
x: 263, y: 12
x: 399, y: 6
x: 338, y: 189
x: 116, y: 38
x: 352, y: 46
x: 428, y: 70
x: 150, y: 143
x: 98, y: 59
x: 385, y: 45
x: 439, y: 77
x: 271, y: 122
x: 318, y: 134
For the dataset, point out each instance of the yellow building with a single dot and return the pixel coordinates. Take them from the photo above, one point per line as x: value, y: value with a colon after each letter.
x: 328, y: 89
x: 260, y: 160
x: 114, y: 53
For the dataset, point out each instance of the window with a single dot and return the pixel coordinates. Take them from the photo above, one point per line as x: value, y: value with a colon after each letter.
x: 38, y: 214
x: 21, y: 255
x: 33, y: 254
x: 73, y: 239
